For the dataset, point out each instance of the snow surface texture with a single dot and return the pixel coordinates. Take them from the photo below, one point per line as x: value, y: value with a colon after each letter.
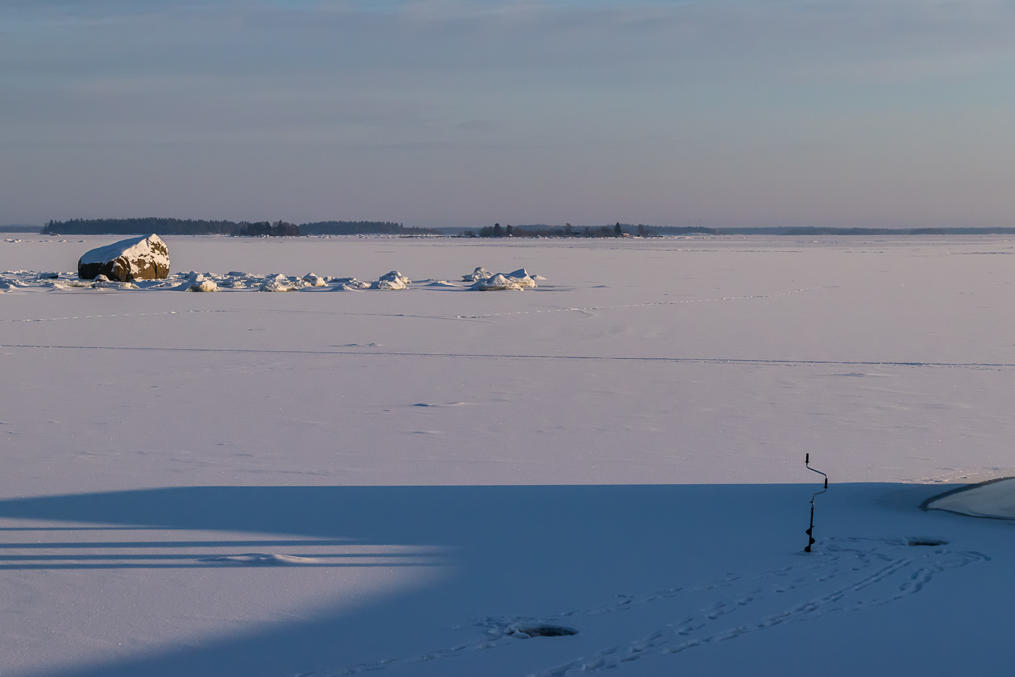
x: 433, y: 482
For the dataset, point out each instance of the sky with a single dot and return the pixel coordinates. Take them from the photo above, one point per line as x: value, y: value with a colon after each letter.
x: 739, y: 113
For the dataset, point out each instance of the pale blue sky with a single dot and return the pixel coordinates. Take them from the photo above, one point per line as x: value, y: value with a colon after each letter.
x: 720, y: 112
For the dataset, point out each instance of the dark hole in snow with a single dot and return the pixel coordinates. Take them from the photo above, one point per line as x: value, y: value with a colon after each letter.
x: 541, y: 630
x: 926, y: 541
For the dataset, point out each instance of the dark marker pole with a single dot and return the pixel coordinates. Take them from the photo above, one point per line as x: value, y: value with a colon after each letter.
x: 810, y: 528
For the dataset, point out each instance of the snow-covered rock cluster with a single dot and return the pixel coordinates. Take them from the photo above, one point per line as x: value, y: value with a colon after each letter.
x: 484, y: 280
x: 198, y: 282
x: 479, y: 280
x: 279, y: 283
x: 314, y: 280
x: 392, y: 281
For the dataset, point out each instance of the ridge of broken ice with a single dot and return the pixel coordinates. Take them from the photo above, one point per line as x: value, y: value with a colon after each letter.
x: 193, y: 281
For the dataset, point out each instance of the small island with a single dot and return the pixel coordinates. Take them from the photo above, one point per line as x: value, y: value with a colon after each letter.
x: 134, y: 226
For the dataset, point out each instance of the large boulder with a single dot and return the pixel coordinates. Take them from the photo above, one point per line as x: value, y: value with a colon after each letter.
x: 137, y: 258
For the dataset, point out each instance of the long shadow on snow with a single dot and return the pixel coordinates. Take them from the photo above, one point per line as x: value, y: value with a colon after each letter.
x: 513, y: 550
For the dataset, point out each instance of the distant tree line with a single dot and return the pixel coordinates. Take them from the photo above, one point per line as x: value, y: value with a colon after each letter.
x: 140, y: 226
x: 361, y: 228
x: 262, y: 228
x: 567, y: 230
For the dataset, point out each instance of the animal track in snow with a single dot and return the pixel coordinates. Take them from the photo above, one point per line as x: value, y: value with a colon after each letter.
x: 112, y: 315
x: 590, y: 310
x: 860, y: 572
x: 874, y: 572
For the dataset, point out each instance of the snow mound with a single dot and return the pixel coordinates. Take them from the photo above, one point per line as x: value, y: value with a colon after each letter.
x: 136, y: 258
x: 497, y: 282
x: 277, y: 283
x: 989, y: 499
x: 391, y: 281
x: 441, y: 283
x: 197, y: 282
x: 483, y: 280
x: 349, y: 284
x: 522, y: 278
x: 478, y: 273
x: 314, y: 280
x: 103, y: 282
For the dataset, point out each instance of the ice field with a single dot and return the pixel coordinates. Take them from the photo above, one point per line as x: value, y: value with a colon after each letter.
x: 336, y: 481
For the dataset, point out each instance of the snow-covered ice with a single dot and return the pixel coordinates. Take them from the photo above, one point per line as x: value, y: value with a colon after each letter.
x: 994, y: 498
x: 434, y: 482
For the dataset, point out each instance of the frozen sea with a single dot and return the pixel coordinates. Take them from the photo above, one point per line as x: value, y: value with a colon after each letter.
x: 422, y: 482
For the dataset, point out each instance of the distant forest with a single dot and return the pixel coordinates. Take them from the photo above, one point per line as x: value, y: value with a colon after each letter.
x: 567, y: 230
x: 626, y: 230
x: 144, y: 226
x: 241, y: 228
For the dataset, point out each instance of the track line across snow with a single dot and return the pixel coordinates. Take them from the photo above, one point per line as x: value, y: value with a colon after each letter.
x: 849, y: 575
x: 532, y: 356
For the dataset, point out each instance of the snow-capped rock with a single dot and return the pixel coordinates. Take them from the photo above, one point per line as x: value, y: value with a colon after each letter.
x: 314, y: 280
x: 484, y: 280
x: 497, y: 282
x: 522, y: 278
x: 197, y: 282
x: 137, y: 258
x: 479, y: 273
x: 392, y: 281
x: 277, y: 283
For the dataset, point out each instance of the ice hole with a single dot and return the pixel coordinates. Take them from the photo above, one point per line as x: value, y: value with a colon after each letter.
x: 926, y: 541
x: 542, y: 630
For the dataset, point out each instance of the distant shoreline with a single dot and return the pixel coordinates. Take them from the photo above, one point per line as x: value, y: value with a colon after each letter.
x: 452, y: 231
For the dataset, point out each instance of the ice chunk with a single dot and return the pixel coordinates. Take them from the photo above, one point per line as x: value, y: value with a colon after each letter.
x: 498, y: 282
x: 479, y: 273
x: 314, y: 280
x: 392, y: 281
x: 277, y: 283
